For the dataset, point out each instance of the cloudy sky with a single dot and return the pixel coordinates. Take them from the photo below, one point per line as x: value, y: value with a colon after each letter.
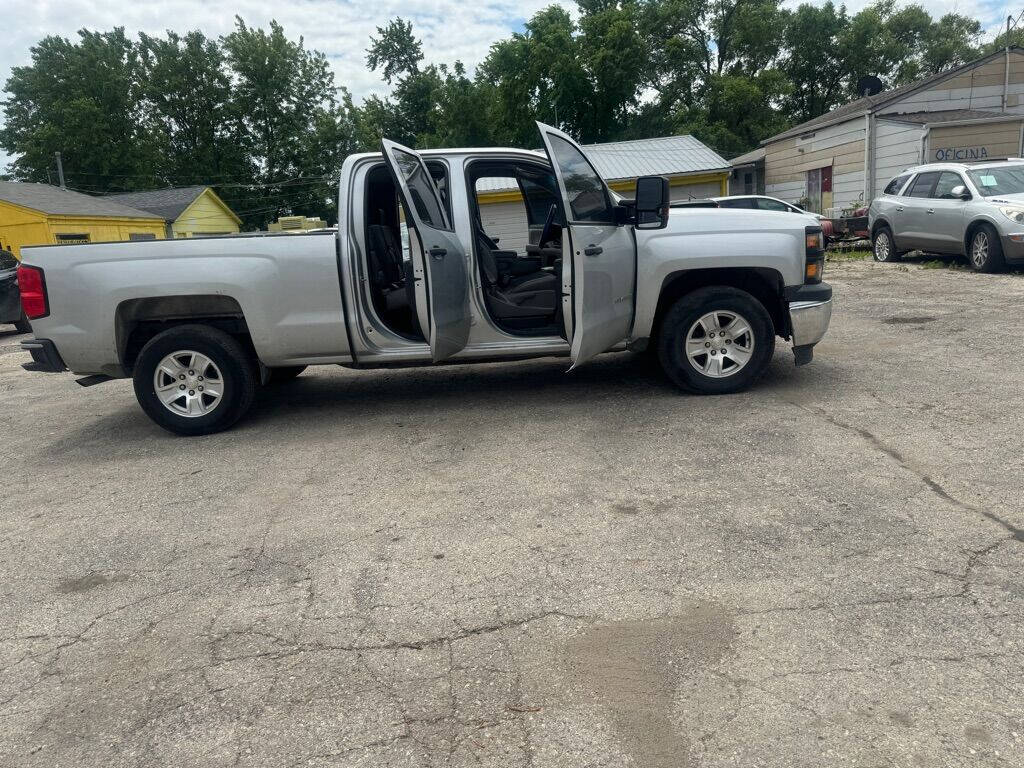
x: 450, y: 29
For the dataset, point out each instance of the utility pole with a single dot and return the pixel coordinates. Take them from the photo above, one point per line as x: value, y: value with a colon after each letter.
x: 60, y: 170
x: 1006, y: 71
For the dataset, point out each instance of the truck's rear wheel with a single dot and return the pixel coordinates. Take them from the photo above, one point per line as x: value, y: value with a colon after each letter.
x: 716, y: 340
x: 194, y: 380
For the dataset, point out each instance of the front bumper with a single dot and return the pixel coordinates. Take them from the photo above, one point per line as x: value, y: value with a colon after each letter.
x: 810, y: 311
x: 1013, y: 247
x: 45, y: 357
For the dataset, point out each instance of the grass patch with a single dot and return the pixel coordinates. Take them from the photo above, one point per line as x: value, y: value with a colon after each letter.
x: 836, y: 255
x: 956, y: 266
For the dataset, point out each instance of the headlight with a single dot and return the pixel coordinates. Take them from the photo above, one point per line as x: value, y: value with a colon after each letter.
x: 1013, y: 214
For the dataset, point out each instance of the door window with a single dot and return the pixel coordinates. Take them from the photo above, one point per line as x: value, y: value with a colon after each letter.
x: 585, y: 190
x: 923, y: 184
x: 767, y: 204
x: 944, y: 187
x: 737, y: 202
x: 421, y: 189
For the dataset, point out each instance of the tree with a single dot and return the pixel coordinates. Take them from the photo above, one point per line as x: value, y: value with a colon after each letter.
x: 82, y: 100
x: 284, y: 102
x: 187, y: 96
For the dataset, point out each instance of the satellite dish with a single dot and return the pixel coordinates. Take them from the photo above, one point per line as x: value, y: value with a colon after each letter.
x: 869, y: 85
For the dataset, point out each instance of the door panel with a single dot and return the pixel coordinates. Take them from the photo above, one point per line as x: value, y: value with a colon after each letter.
x: 603, y: 254
x: 437, y: 248
x: 945, y: 214
x: 913, y: 221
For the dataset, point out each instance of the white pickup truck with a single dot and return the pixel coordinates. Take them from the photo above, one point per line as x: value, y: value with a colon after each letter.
x: 200, y: 323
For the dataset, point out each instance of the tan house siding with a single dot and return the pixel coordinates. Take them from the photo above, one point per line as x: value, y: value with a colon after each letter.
x: 962, y: 143
x: 977, y: 88
x: 840, y: 146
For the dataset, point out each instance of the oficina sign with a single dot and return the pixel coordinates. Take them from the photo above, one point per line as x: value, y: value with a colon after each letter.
x: 959, y: 154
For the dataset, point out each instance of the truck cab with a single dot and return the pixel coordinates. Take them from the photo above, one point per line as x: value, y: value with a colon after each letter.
x: 416, y: 273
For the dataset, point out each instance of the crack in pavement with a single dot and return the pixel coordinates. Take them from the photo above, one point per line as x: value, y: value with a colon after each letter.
x: 1015, y: 532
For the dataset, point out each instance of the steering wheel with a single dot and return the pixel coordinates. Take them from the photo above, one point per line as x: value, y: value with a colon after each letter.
x: 549, y: 226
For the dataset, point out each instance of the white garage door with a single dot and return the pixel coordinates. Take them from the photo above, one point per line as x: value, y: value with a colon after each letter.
x: 507, y: 223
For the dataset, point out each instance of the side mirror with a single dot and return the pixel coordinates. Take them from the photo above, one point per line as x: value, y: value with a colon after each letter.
x: 960, y: 191
x: 652, y: 199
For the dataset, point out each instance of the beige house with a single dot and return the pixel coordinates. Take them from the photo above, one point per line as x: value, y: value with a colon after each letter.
x: 846, y: 157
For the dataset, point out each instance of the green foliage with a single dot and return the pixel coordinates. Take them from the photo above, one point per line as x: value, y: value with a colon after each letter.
x: 258, y: 115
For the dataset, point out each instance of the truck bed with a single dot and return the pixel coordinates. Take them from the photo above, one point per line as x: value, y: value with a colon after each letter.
x: 284, y: 287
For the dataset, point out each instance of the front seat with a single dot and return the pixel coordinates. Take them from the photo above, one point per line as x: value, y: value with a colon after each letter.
x: 514, y: 297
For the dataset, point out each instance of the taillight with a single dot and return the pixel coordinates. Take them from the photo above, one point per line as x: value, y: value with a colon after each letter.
x: 814, y: 240
x: 33, y: 292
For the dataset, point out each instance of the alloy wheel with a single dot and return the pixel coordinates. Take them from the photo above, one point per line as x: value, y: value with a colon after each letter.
x: 882, y: 247
x: 979, y: 249
x: 720, y: 344
x: 188, y: 383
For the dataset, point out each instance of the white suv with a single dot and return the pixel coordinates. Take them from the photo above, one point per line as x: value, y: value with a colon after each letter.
x: 973, y: 209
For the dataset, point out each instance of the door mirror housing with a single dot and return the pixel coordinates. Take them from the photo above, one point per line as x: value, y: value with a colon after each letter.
x: 960, y: 191
x: 652, y: 202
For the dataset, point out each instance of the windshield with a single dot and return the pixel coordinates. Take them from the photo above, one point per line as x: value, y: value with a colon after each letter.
x: 1004, y: 180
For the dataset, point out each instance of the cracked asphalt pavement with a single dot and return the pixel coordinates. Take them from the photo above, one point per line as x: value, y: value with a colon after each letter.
x: 510, y: 566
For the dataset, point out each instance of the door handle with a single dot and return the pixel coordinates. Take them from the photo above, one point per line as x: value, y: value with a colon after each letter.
x: 438, y: 253
x: 593, y: 250
x: 899, y: 207
x: 931, y: 210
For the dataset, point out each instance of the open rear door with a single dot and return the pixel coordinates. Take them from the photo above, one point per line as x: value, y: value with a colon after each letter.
x: 443, y: 256
x: 603, y: 254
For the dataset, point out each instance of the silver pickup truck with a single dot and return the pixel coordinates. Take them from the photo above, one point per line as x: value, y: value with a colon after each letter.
x: 412, y: 276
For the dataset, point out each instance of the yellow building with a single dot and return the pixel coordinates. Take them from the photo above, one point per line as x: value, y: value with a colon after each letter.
x: 187, y: 211
x: 39, y: 214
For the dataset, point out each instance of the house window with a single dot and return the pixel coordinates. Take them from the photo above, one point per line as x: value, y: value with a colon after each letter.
x: 141, y: 236
x: 748, y: 183
x: 72, y: 238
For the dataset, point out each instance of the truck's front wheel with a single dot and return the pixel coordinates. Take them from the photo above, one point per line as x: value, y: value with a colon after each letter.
x: 194, y: 380
x: 716, y: 340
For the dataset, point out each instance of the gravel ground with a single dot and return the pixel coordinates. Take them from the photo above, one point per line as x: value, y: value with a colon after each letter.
x: 509, y: 566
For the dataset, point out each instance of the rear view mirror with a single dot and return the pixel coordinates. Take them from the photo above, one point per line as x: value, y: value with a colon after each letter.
x: 652, y: 199
x: 960, y: 191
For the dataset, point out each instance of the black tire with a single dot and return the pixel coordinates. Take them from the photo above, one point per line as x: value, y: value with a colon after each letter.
x: 22, y: 324
x: 236, y: 370
x: 285, y: 373
x: 685, y: 314
x: 883, y: 246
x: 991, y: 260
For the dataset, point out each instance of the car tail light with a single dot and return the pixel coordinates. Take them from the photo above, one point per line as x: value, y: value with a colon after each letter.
x: 33, y: 292
x: 814, y: 240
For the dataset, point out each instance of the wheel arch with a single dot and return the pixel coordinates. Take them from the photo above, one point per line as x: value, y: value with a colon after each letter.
x: 763, y: 283
x: 878, y: 224
x: 972, y: 228
x: 139, y: 320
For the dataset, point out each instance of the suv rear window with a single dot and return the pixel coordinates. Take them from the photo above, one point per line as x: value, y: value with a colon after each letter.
x: 894, y: 186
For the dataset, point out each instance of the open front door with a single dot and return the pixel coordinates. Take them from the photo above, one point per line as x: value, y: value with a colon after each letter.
x: 442, y: 254
x: 603, y: 254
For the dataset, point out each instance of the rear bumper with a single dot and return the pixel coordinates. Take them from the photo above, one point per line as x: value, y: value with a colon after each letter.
x: 45, y: 357
x: 810, y: 312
